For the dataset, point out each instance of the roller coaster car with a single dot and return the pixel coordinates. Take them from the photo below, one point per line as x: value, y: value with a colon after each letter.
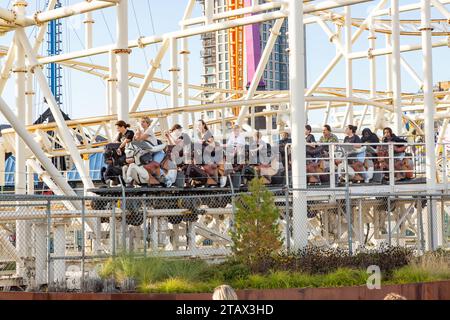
x: 160, y: 199
x: 134, y: 212
x: 187, y: 199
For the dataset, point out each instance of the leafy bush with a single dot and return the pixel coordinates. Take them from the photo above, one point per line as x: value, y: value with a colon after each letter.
x: 233, y: 271
x: 320, y: 260
x: 256, y: 224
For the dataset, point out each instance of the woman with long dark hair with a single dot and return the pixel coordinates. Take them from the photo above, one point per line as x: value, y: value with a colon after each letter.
x: 203, y: 132
x: 125, y: 135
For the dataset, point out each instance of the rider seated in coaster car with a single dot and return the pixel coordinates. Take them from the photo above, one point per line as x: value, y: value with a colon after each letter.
x: 356, y: 154
x: 134, y: 173
x: 113, y: 170
x: 269, y: 170
x: 320, y: 172
x: 177, y: 154
x: 233, y: 155
x: 114, y: 153
x: 201, y: 168
x: 262, y: 161
x: 403, y: 166
x: 146, y: 140
x: 313, y: 152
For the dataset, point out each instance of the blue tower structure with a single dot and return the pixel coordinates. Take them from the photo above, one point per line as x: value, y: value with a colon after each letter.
x: 54, y: 47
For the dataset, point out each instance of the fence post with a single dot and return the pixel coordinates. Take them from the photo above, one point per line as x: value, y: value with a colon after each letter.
x: 361, y: 225
x: 287, y: 218
x: 389, y: 221
x: 431, y: 224
x: 286, y: 164
x: 124, y: 217
x: 154, y: 233
x: 83, y: 240
x: 391, y: 165
x: 49, y: 244
x: 145, y: 227
x: 112, y: 229
x: 421, y: 231
x: 233, y: 205
x: 444, y: 160
x: 332, y: 167
x: 349, y: 220
x: 443, y: 224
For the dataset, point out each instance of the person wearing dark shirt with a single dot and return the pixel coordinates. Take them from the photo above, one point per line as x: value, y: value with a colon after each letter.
x: 125, y: 135
x: 403, y: 166
x: 399, y: 143
x: 285, y: 140
x: 369, y: 137
x: 116, y: 158
x: 389, y: 136
x: 308, y: 135
x: 356, y: 155
x: 351, y: 136
x: 312, y: 150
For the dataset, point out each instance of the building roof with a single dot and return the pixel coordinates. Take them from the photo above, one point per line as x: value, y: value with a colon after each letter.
x: 95, y: 165
x: 3, y: 127
x: 10, y: 168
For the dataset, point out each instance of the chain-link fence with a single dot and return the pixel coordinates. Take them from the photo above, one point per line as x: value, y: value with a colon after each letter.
x: 59, y: 241
x: 356, y: 221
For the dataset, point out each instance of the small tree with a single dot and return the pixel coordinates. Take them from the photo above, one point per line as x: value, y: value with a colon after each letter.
x: 256, y: 224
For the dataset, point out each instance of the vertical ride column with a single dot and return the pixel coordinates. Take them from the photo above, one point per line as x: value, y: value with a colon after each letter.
x: 434, y: 238
x: 22, y: 227
x: 174, y: 69
x: 122, y: 53
x: 297, y: 101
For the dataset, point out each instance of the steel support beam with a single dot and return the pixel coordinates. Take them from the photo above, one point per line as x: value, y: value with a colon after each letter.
x: 298, y: 119
x: 435, y: 226
x: 396, y: 68
x: 64, y: 131
x: 122, y: 54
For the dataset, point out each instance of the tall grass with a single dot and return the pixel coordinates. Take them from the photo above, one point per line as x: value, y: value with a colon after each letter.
x: 157, y: 274
x: 152, y: 269
x: 431, y: 266
x: 285, y: 280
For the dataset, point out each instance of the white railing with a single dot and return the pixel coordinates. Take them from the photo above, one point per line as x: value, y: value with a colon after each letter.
x: 339, y: 164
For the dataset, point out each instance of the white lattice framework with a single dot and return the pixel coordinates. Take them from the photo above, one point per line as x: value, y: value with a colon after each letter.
x: 34, y: 145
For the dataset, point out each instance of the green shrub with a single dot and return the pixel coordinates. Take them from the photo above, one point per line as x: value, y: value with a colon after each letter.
x: 256, y: 224
x: 321, y: 260
x: 344, y: 277
x: 235, y: 271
